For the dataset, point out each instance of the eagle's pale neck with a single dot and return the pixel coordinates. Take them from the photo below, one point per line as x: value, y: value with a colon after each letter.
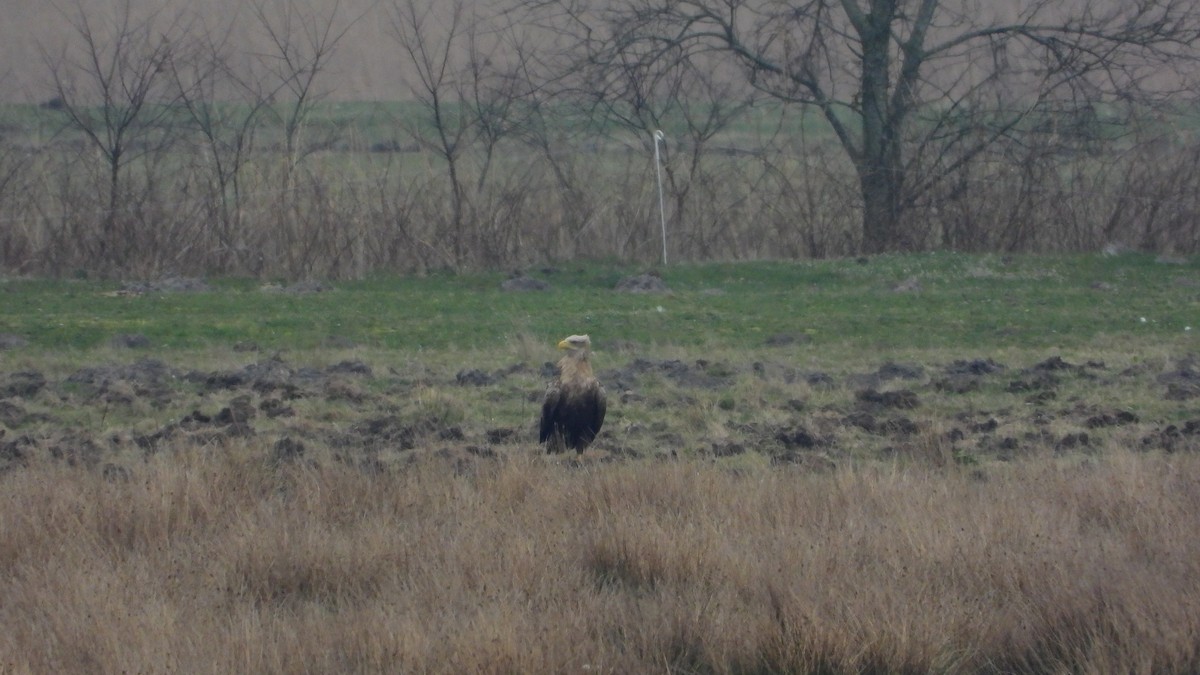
x: 575, y: 365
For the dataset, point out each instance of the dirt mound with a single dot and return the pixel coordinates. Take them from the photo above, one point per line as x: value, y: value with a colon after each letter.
x: 166, y: 285
x: 22, y: 384
x: 1182, y: 381
x: 701, y: 373
x: 650, y: 282
x: 903, y: 399
x: 888, y: 372
x: 519, y: 284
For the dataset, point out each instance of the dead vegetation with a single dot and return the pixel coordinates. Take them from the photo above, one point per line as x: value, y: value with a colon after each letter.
x: 214, y: 559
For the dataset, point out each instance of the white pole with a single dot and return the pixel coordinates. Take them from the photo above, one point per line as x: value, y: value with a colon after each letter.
x: 662, y: 208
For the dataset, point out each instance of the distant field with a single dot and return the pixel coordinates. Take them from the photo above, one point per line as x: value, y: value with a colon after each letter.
x: 934, y: 463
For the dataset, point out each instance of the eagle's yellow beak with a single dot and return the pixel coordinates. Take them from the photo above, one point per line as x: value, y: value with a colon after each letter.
x: 563, y: 344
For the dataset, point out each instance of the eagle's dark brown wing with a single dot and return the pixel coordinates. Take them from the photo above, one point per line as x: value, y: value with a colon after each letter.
x: 593, y: 405
x: 574, y: 411
x: 580, y: 412
x: 549, y: 412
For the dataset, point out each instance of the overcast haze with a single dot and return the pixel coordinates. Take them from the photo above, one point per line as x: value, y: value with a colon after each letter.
x: 368, y: 64
x: 363, y: 68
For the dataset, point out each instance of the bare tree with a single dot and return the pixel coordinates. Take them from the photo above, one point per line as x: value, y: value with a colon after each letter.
x: 628, y: 100
x: 15, y: 240
x: 471, y: 99
x: 301, y: 44
x: 302, y: 38
x: 109, y: 85
x: 912, y: 89
x: 224, y: 108
x: 436, y: 89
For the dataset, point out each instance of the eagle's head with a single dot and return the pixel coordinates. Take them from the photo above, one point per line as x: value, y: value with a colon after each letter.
x: 576, y: 343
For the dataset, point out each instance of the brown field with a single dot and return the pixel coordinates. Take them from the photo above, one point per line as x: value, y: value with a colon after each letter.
x: 268, y: 514
x: 214, y: 560
x: 365, y: 517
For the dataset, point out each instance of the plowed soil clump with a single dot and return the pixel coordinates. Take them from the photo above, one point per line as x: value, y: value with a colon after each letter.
x: 966, y: 411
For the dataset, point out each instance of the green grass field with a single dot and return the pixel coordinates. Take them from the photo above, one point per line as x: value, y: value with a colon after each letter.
x: 961, y: 302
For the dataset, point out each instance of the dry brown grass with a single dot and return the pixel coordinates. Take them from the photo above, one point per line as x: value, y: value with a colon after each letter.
x: 215, y: 560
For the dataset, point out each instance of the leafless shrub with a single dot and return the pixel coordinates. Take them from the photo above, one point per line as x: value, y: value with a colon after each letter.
x: 224, y: 109
x: 18, y: 236
x: 111, y: 90
x: 1043, y: 194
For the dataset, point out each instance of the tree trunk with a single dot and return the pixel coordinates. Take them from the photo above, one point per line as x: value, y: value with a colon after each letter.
x: 880, y: 170
x: 880, y: 188
x: 109, y: 247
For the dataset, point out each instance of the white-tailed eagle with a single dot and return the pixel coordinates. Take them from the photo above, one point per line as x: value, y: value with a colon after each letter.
x: 575, y: 403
